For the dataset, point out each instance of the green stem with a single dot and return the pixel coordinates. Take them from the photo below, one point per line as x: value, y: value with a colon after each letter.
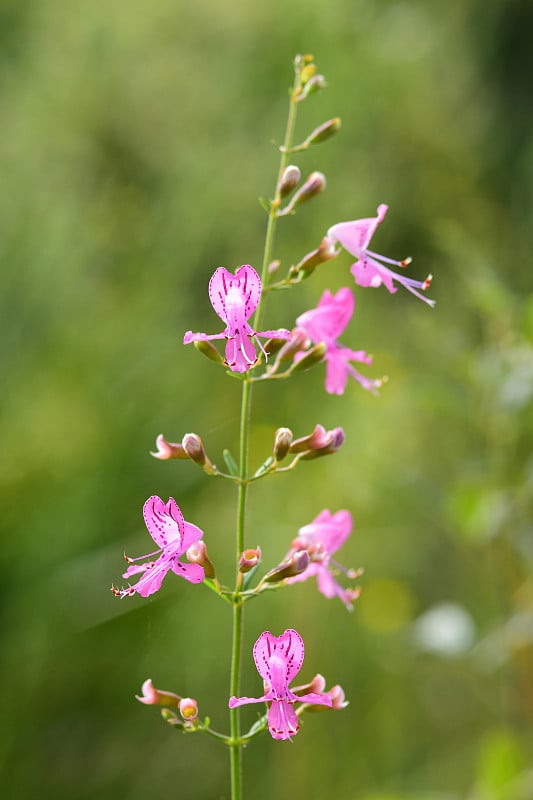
x: 236, y: 746
x: 238, y: 610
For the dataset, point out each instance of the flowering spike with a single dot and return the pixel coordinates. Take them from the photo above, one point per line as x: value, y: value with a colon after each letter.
x: 235, y: 298
x: 368, y: 270
x: 173, y: 536
x: 278, y: 660
x: 324, y: 324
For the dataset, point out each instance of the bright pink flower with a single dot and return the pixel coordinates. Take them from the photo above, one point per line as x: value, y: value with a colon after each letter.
x: 278, y: 660
x: 235, y: 298
x: 173, y: 536
x: 321, y: 538
x: 324, y: 324
x: 355, y: 237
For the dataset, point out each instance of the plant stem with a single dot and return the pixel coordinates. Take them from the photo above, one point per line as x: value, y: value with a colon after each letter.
x: 236, y: 747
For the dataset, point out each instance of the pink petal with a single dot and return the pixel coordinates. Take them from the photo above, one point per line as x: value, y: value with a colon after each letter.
x: 193, y: 573
x: 315, y: 699
x: 327, y: 585
x: 282, y: 720
x: 242, y: 701
x: 164, y: 521
x: 355, y: 236
x: 240, y: 353
x: 368, y: 272
x: 287, y: 651
x: 191, y: 534
x: 153, y: 577
x: 235, y: 295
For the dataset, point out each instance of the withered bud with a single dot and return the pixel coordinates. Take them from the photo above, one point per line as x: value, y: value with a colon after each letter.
x: 193, y: 446
x: 209, y: 351
x: 289, y: 180
x: 197, y: 554
x: 312, y: 357
x: 294, y: 565
x: 337, y: 695
x: 282, y: 441
x: 156, y: 697
x: 317, y: 686
x: 249, y: 559
x: 311, y: 260
x: 324, y: 131
x: 166, y: 450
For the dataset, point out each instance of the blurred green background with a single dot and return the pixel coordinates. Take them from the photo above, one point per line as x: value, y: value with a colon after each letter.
x: 135, y: 141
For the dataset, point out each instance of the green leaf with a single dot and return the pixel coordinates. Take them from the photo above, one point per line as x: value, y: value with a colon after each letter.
x: 231, y: 464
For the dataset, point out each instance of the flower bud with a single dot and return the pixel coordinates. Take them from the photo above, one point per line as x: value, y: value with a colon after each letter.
x: 320, y: 439
x: 314, y: 84
x: 249, y: 559
x: 208, y: 350
x: 289, y: 180
x: 296, y: 343
x: 324, y: 131
x: 197, y: 554
x: 294, y: 565
x: 309, y: 262
x: 335, y: 440
x: 315, y: 184
x: 282, y: 441
x: 188, y: 708
x: 312, y: 357
x: 193, y: 446
x: 166, y: 450
x: 156, y: 697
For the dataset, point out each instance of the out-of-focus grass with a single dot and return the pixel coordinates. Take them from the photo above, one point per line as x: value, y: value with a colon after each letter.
x: 135, y: 142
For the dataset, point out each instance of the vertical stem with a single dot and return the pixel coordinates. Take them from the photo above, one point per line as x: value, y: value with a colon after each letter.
x: 246, y: 405
x: 238, y: 609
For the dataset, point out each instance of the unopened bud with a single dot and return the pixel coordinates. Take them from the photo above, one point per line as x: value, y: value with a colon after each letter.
x: 311, y: 260
x: 312, y: 357
x: 314, y: 185
x: 324, y: 131
x: 295, y: 565
x: 307, y: 72
x: 314, y: 84
x: 197, y: 554
x: 188, y: 708
x: 156, y: 697
x: 282, y: 441
x: 274, y: 266
x: 272, y: 346
x: 209, y: 351
x: 249, y: 559
x: 193, y: 446
x: 166, y: 450
x: 289, y: 180
x: 296, y: 343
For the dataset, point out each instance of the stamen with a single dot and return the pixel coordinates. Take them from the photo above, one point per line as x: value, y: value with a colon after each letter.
x: 140, y: 558
x: 403, y: 263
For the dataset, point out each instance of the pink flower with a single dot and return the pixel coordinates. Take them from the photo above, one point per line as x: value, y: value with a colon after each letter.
x: 324, y: 324
x: 278, y: 660
x: 156, y: 697
x: 321, y: 538
x: 235, y: 298
x: 355, y: 237
x: 173, y: 536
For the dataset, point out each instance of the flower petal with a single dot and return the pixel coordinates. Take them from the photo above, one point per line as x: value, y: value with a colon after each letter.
x: 164, y: 521
x: 288, y: 652
x: 235, y: 295
x: 193, y: 573
x: 282, y: 720
x: 355, y: 236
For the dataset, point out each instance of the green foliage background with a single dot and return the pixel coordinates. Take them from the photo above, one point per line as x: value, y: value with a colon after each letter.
x: 135, y: 141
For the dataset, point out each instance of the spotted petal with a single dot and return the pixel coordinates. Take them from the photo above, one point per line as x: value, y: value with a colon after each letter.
x: 279, y: 658
x: 164, y: 521
x: 235, y: 297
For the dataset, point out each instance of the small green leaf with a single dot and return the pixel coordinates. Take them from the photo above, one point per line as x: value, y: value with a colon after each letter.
x: 231, y: 464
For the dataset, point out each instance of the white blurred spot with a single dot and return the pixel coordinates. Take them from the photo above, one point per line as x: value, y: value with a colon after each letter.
x: 446, y: 629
